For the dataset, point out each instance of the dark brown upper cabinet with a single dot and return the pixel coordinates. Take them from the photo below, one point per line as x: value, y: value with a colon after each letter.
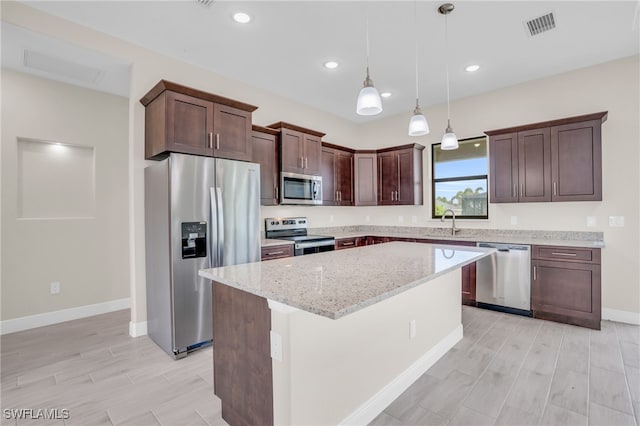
x: 300, y: 149
x: 365, y: 185
x: 400, y: 175
x: 559, y: 160
x: 265, y: 152
x: 337, y: 175
x: 190, y: 121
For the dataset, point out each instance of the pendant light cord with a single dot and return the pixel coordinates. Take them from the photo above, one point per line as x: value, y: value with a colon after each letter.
x: 415, y: 35
x: 446, y: 56
x: 366, y: 20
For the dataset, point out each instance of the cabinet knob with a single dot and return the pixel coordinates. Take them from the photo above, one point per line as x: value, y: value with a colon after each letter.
x: 217, y: 140
x: 210, y: 141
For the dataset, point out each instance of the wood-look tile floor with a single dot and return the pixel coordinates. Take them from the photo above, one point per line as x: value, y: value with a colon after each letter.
x: 511, y: 370
x: 92, y: 368
x: 507, y: 370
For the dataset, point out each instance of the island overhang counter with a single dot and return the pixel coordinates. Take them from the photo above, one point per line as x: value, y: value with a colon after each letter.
x: 334, y: 337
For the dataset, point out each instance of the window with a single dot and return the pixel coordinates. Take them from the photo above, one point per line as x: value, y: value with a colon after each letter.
x: 459, y: 179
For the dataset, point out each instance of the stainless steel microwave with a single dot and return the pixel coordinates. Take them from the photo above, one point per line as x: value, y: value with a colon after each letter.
x: 296, y: 188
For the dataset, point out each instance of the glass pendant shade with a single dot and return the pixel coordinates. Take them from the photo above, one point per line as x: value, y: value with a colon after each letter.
x: 369, y: 101
x: 418, y: 125
x: 449, y: 140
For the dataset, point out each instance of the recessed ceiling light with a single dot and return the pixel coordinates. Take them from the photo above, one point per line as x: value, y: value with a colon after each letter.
x: 385, y: 94
x: 472, y: 68
x: 331, y: 65
x: 242, y: 17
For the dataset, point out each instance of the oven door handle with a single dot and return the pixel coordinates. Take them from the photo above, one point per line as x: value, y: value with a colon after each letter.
x: 315, y: 244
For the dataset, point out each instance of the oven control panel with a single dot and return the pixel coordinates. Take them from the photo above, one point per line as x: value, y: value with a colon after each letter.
x: 285, y: 223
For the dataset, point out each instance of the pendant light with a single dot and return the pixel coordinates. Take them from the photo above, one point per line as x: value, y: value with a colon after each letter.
x: 449, y: 140
x: 418, y: 125
x: 369, y: 101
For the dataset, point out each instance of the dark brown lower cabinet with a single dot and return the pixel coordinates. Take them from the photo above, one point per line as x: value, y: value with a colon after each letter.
x: 243, y: 377
x: 566, y: 285
x: 376, y: 240
x: 276, y: 252
x: 351, y: 242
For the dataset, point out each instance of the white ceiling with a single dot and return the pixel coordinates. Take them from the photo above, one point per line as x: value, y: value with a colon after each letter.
x: 283, y: 49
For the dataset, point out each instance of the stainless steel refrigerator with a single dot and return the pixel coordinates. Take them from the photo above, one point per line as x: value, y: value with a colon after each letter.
x: 200, y: 213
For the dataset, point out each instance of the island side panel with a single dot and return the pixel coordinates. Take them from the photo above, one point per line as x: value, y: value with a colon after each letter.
x: 242, y: 356
x: 342, y: 371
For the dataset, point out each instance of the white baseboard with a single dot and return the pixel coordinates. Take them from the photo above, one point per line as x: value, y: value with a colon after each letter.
x: 377, y: 403
x: 621, y: 316
x: 137, y: 329
x: 48, y: 318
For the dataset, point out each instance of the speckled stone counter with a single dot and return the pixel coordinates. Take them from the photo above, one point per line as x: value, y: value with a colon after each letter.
x: 550, y: 238
x: 334, y: 284
x: 267, y: 242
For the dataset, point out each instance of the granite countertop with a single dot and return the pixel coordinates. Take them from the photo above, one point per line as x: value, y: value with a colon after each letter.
x: 268, y: 242
x: 336, y: 283
x: 548, y: 238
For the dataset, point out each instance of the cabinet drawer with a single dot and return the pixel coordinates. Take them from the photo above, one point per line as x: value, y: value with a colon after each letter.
x: 344, y: 243
x: 276, y: 252
x: 566, y: 254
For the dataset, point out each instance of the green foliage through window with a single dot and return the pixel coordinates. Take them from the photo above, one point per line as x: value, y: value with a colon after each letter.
x: 459, y: 179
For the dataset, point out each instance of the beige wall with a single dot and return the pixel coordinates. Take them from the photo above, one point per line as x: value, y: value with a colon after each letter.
x: 88, y: 256
x: 612, y: 87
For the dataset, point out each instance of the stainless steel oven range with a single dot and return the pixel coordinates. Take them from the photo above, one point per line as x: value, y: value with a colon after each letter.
x: 295, y: 229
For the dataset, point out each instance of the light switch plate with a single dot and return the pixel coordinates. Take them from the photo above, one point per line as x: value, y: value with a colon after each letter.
x: 616, y: 221
x: 591, y: 222
x: 55, y: 287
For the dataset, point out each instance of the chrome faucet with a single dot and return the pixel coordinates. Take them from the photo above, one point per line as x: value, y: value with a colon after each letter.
x: 453, y: 217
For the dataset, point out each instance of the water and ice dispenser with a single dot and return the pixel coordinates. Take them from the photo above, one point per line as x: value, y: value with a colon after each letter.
x: 194, y: 239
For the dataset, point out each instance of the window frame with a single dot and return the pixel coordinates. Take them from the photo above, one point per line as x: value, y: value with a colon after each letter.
x: 434, y: 181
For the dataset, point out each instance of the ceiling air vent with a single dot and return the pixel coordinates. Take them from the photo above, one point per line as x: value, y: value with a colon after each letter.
x: 205, y: 3
x: 540, y: 24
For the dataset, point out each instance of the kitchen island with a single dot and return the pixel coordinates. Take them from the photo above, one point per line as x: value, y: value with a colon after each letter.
x: 334, y: 337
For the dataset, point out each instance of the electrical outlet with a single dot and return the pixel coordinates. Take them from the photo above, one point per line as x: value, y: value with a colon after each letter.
x: 400, y: 219
x: 331, y: 218
x: 616, y: 221
x: 514, y: 220
x: 55, y: 287
x: 367, y: 219
x: 276, y: 346
x: 591, y: 222
x: 414, y: 219
x: 412, y: 329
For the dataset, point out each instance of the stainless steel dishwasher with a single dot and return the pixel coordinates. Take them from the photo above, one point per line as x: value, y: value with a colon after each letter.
x: 503, y: 280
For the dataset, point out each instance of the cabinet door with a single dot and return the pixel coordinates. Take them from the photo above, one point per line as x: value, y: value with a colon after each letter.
x: 387, y: 178
x: 406, y: 177
x: 265, y: 152
x: 366, y: 179
x: 189, y: 124
x: 312, y: 154
x: 534, y: 165
x: 566, y: 292
x: 344, y: 177
x: 328, y: 173
x: 231, y: 133
x: 291, y: 151
x: 503, y: 161
x: 576, y: 171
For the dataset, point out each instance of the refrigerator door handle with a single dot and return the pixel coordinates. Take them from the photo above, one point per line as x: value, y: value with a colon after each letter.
x: 213, y: 231
x: 220, y: 214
